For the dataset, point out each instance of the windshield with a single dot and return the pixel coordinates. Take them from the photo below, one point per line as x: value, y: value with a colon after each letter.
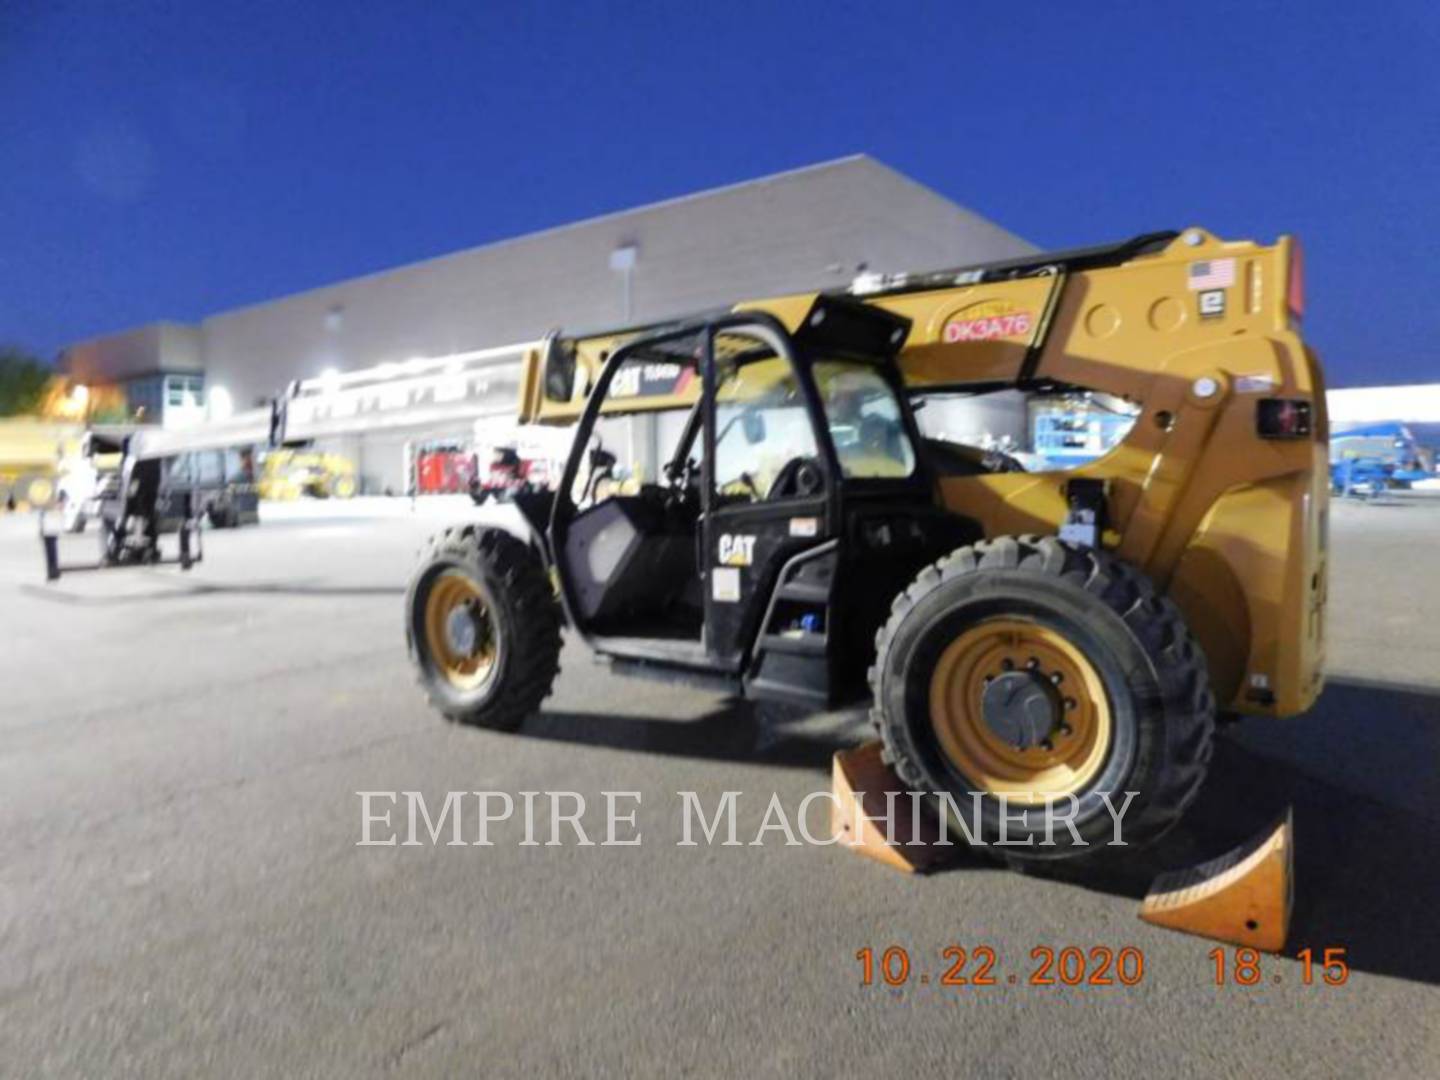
x: 864, y: 419
x: 761, y: 426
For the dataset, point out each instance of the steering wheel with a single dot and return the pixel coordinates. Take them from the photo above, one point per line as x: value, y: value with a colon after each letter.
x: 742, y: 487
x: 800, y: 476
x: 683, y: 485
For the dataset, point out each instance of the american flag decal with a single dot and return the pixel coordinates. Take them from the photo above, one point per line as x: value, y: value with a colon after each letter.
x: 1215, y: 274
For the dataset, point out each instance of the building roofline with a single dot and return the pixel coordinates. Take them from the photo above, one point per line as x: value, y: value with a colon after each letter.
x: 596, y: 219
x: 153, y: 324
x: 564, y: 227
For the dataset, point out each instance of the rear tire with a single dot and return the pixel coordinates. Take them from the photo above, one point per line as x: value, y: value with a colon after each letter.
x: 483, y: 627
x: 1148, y: 683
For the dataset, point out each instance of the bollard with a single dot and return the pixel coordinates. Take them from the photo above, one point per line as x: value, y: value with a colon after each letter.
x: 52, y: 557
x: 185, y: 544
x: 51, y: 542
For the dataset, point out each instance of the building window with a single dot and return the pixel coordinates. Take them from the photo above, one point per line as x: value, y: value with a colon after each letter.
x: 183, y: 390
x: 150, y: 396
x: 144, y: 396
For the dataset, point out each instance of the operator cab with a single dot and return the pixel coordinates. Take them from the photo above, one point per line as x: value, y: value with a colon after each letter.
x: 792, y: 452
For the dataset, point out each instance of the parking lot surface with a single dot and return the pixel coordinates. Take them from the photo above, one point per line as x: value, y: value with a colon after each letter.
x: 181, y: 890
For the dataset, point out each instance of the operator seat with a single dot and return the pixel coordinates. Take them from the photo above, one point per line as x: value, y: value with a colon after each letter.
x: 634, y: 556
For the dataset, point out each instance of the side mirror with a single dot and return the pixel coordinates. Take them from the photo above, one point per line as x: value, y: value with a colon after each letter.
x: 600, y: 458
x: 752, y: 424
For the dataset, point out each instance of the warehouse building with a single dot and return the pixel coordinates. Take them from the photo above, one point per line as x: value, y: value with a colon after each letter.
x: 810, y: 228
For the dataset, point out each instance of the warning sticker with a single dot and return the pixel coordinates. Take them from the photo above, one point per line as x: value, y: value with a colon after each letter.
x: 806, y: 526
x: 725, y: 584
x: 1212, y: 303
x: 1254, y: 384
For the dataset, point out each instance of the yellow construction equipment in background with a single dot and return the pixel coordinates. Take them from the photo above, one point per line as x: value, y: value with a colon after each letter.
x: 30, y: 454
x: 289, y: 474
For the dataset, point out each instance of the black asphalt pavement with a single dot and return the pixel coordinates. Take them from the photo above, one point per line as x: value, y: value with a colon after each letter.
x: 182, y: 894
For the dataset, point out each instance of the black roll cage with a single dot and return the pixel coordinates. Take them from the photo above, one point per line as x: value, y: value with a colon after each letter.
x: 800, y: 356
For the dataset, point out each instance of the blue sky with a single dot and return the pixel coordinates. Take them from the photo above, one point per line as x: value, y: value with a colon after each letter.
x: 172, y: 160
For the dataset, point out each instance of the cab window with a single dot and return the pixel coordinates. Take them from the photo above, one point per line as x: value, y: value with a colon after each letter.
x: 864, y: 419
x: 760, y: 426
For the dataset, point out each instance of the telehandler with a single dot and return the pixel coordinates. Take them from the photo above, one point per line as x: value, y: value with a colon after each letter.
x: 1051, y: 636
x: 1027, y: 639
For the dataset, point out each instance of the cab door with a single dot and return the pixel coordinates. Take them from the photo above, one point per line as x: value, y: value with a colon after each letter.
x: 768, y: 489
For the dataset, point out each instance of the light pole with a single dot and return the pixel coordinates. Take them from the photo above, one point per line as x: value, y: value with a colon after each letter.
x: 622, y: 260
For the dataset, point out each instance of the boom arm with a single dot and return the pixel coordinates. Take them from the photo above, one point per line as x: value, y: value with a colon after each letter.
x: 414, y: 394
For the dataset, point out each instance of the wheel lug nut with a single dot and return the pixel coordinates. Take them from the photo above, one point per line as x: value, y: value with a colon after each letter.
x: 1007, y: 664
x: 1046, y: 744
x: 1069, y: 703
x: 1056, y: 678
x: 1031, y: 664
x: 1066, y: 729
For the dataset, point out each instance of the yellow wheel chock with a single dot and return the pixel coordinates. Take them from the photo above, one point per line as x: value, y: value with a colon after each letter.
x: 1243, y: 897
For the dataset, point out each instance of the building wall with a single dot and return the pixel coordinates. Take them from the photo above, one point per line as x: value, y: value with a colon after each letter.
x: 808, y: 229
x: 159, y: 368
x: 977, y: 420
x: 145, y: 350
x: 1365, y: 405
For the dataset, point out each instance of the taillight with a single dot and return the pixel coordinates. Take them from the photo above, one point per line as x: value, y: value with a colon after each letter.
x: 1282, y: 418
x: 1295, y: 293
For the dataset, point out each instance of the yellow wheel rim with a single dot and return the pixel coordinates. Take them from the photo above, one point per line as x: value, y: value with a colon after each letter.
x: 1069, y: 733
x: 460, y: 631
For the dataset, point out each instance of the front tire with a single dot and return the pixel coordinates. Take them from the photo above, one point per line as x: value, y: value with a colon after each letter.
x: 483, y: 627
x: 1032, y: 672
